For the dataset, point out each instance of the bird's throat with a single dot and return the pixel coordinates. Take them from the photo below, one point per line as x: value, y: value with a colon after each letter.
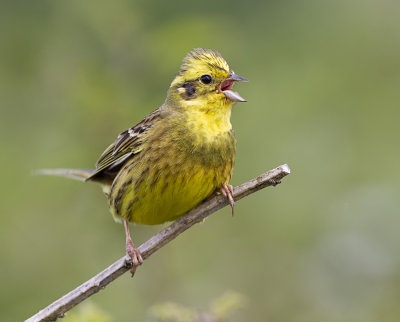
x: 209, y: 124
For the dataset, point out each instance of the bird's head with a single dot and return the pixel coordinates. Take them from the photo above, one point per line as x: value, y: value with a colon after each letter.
x: 204, y: 82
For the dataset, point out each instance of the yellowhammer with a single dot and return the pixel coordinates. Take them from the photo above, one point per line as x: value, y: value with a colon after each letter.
x: 178, y: 155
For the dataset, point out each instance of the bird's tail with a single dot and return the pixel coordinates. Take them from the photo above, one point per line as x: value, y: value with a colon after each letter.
x: 77, y: 174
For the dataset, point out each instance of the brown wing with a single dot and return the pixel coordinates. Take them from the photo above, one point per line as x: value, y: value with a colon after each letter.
x: 128, y: 144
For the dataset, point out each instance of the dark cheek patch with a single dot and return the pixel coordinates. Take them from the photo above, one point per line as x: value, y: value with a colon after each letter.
x: 190, y: 89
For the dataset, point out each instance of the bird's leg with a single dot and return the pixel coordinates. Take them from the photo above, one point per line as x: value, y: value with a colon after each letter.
x: 227, y: 191
x: 131, y: 250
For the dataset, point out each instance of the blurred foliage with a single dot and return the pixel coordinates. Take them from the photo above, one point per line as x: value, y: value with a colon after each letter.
x: 221, y: 309
x: 323, y: 97
x: 87, y: 312
x: 172, y: 312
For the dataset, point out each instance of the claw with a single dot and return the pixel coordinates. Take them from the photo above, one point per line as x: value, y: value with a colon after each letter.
x: 227, y: 191
x: 135, y: 256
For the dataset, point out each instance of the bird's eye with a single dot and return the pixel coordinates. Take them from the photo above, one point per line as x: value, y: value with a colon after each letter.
x: 206, y: 79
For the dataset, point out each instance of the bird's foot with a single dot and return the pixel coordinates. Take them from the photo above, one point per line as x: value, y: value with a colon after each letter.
x: 227, y: 191
x: 134, y: 254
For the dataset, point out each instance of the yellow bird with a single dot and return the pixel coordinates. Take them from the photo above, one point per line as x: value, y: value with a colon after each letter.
x: 178, y: 155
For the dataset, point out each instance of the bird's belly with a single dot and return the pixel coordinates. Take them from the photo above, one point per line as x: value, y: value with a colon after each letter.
x: 160, y: 198
x: 172, y: 196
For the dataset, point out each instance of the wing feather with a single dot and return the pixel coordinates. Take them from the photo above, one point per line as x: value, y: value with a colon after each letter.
x: 127, y: 145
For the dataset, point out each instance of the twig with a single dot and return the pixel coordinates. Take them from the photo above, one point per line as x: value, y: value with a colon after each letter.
x: 62, y: 305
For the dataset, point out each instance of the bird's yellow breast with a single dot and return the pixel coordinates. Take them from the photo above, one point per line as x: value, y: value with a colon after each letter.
x: 171, y: 176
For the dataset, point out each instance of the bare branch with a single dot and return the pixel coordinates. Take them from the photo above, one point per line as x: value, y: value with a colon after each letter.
x: 62, y: 305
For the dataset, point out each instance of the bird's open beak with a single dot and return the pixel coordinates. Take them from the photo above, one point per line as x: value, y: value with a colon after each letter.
x: 227, y: 84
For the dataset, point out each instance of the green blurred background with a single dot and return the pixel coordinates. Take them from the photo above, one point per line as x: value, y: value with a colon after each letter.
x: 323, y: 97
